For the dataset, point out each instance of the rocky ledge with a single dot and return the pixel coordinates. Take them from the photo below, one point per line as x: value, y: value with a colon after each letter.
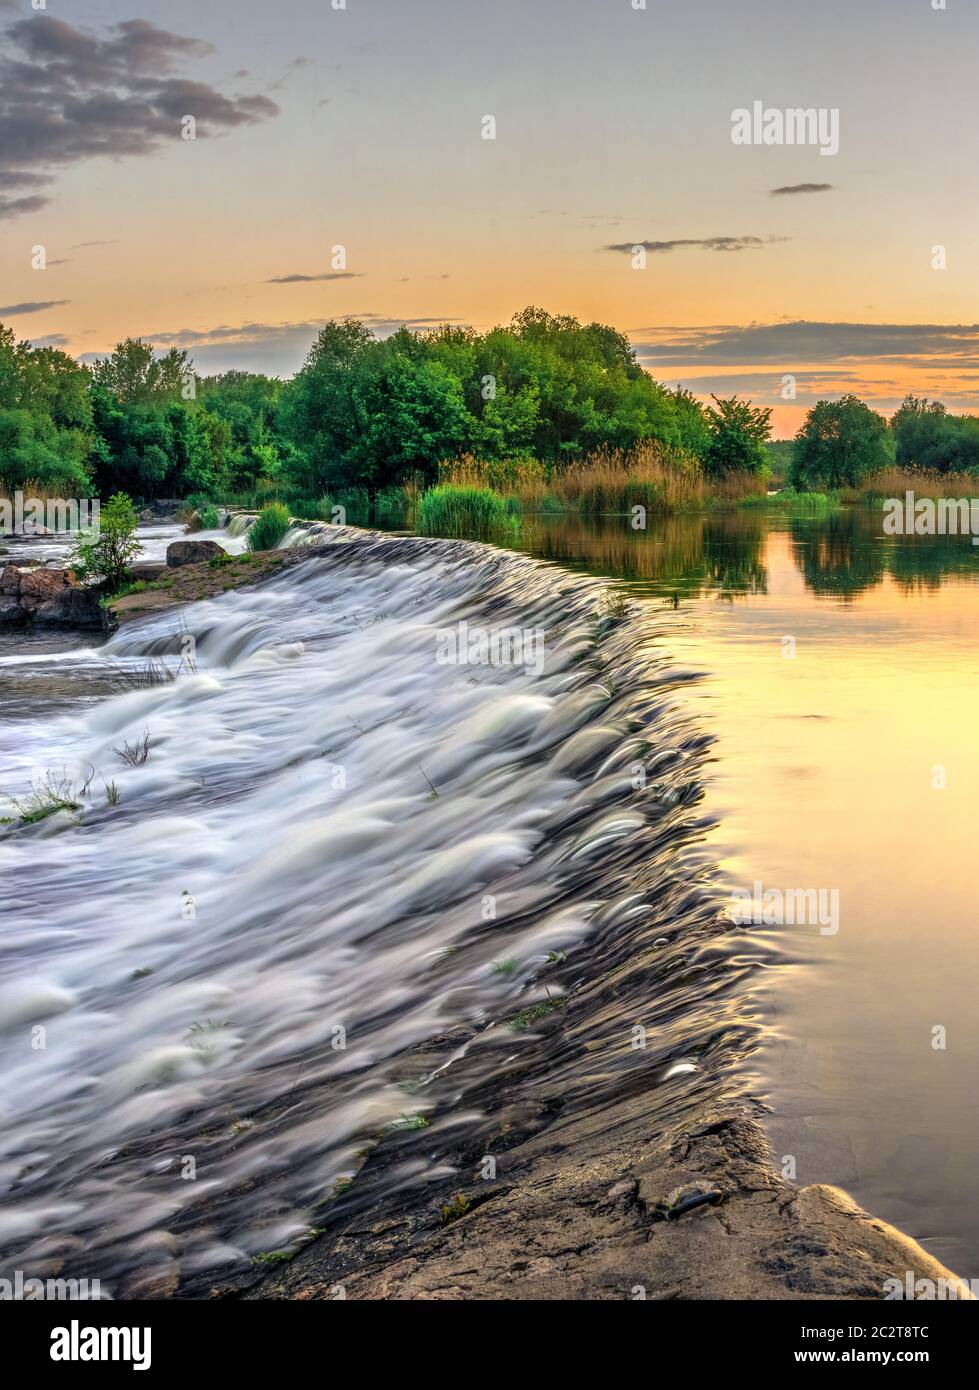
x: 597, y: 1208
x: 190, y: 580
x: 47, y: 598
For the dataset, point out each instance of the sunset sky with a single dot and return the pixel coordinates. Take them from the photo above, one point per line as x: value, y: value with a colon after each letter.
x: 363, y: 127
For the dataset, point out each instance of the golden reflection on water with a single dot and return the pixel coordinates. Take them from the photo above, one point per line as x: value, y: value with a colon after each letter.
x: 832, y: 752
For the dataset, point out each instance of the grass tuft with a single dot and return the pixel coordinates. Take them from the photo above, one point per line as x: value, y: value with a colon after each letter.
x: 269, y: 527
x: 476, y: 513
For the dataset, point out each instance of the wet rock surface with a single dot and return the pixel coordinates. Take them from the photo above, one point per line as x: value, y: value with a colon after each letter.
x: 588, y: 1212
x: 48, y: 598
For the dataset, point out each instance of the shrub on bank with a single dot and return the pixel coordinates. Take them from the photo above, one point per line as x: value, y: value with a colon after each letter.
x: 475, y: 512
x: 267, y: 530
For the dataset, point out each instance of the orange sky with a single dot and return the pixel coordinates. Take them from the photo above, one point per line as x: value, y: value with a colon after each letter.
x: 364, y: 128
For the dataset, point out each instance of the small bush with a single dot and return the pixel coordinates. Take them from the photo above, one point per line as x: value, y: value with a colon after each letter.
x: 460, y: 511
x: 49, y: 796
x: 105, y: 555
x: 270, y: 526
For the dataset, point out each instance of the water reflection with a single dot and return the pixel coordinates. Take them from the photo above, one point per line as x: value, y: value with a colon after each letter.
x: 852, y: 766
x: 722, y: 553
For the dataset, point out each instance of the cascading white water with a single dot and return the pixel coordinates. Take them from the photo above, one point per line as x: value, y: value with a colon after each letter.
x: 239, y: 523
x: 337, y: 848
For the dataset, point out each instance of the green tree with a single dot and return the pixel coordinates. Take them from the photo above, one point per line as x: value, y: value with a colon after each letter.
x: 840, y: 443
x: 105, y: 555
x: 738, y: 434
x: 927, y: 436
x: 136, y: 373
x: 46, y: 424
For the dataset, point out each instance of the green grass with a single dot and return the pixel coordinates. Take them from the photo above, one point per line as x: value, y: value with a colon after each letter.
x: 267, y: 530
x: 530, y: 1016
x: 47, y: 798
x: 409, y: 1122
x: 272, y: 1257
x: 139, y: 586
x: 475, y: 513
x: 451, y: 1211
x: 809, y: 503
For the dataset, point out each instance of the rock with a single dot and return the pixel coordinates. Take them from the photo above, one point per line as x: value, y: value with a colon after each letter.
x: 37, y: 586
x: 48, y: 598
x: 10, y: 580
x: 147, y: 570
x: 690, y: 1195
x: 70, y: 607
x: 192, y: 552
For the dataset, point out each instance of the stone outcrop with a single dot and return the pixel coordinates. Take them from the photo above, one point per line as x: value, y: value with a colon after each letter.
x: 192, y: 552
x: 47, y: 598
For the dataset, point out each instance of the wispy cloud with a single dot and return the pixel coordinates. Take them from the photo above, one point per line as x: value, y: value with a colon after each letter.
x: 297, y: 279
x: 711, y: 243
x: 802, y: 341
x: 31, y: 306
x: 792, y: 188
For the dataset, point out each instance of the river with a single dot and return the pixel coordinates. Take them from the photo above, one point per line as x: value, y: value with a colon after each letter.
x: 345, y: 863
x: 841, y: 679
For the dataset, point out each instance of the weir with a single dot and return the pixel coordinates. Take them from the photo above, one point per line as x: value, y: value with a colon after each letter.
x: 212, y: 1080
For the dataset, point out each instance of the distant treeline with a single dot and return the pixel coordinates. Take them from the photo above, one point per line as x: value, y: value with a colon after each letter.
x: 367, y: 413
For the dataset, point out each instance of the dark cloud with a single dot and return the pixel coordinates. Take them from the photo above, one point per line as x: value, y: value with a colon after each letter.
x: 308, y: 279
x: 276, y: 348
x: 68, y: 94
x: 711, y: 243
x: 13, y: 207
x: 790, y: 188
x: 935, y: 345
x: 32, y: 306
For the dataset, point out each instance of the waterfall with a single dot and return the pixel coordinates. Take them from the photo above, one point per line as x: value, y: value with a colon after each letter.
x: 239, y: 523
x: 360, y: 825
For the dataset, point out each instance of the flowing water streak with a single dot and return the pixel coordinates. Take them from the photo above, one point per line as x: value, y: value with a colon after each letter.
x: 337, y: 849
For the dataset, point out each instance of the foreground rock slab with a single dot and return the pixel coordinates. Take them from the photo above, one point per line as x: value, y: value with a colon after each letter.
x: 598, y: 1218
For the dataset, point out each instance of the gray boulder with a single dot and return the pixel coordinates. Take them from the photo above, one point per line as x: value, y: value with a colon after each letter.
x: 192, y: 552
x: 70, y: 607
x: 48, y: 598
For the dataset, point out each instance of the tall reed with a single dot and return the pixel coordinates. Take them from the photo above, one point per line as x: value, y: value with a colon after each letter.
x: 463, y: 511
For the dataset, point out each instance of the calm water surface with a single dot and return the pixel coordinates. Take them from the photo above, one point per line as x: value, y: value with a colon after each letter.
x: 828, y: 773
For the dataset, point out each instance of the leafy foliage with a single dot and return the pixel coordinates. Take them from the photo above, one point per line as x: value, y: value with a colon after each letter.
x: 738, y: 434
x: 840, y: 443
x: 106, y: 556
x: 515, y: 407
x: 269, y: 527
x: 451, y: 510
x: 928, y: 437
